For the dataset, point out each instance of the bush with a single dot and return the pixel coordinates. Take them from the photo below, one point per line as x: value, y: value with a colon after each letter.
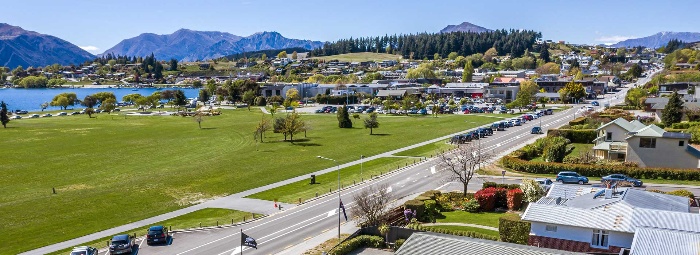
x: 488, y: 185
x: 520, y: 165
x: 486, y: 198
x: 398, y: 243
x: 444, y: 203
x: 578, y: 121
x: 357, y: 242
x: 555, y: 149
x: 498, y: 185
x: 684, y: 193
x: 454, y: 232
x: 532, y: 191
x: 515, y: 199
x: 501, y: 198
x: 512, y: 229
x: 684, y: 125
x: 260, y: 101
x: 575, y: 135
x: 431, y: 194
x: 431, y: 210
x: 417, y: 206
x: 471, y: 205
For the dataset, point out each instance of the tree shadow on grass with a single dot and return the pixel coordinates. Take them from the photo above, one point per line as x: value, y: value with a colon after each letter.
x: 381, y: 134
x: 208, y: 128
x: 305, y: 144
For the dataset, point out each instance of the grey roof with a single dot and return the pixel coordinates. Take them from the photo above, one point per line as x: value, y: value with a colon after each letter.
x: 440, y: 244
x: 650, y: 241
x: 637, y: 124
x: 648, y: 131
x: 386, y: 93
x: 623, y: 123
x: 549, y: 95
x: 569, y: 191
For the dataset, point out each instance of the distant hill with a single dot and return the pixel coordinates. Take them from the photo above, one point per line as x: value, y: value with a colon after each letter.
x: 464, y: 27
x: 659, y: 39
x: 190, y: 45
x: 29, y: 48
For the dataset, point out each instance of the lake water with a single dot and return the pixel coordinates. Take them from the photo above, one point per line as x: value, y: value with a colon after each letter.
x: 31, y: 99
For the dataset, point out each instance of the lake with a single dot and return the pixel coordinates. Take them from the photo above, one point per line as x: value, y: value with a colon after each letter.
x: 31, y: 99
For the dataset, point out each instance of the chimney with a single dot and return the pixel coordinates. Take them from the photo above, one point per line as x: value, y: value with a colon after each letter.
x: 608, y: 193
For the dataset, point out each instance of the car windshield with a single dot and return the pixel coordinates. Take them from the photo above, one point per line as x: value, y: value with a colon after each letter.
x: 78, y: 253
x: 118, y: 242
x: 152, y: 232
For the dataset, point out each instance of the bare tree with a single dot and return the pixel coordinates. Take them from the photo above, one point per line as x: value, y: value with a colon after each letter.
x: 371, y: 204
x: 462, y: 163
x: 199, y: 117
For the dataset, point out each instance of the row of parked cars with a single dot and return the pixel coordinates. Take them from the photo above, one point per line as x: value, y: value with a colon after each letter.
x: 574, y: 177
x: 45, y: 115
x: 126, y: 244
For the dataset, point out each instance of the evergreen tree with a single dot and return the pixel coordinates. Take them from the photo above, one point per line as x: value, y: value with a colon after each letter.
x: 180, y: 98
x: 173, y: 64
x: 544, y: 53
x: 3, y: 114
x: 344, y: 117
x: 673, y: 112
x: 468, y: 72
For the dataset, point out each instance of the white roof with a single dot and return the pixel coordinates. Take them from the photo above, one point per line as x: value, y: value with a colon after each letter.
x: 650, y: 241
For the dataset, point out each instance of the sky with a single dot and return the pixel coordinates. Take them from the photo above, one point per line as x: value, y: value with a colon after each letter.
x: 97, y: 25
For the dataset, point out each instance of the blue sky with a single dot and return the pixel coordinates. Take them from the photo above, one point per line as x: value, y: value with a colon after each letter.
x: 97, y: 25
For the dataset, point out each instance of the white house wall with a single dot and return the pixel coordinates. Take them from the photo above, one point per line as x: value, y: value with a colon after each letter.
x: 619, y: 239
x: 666, y: 154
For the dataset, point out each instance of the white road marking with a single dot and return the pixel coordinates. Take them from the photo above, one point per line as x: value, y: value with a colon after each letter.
x: 388, y: 190
x: 142, y: 242
x: 331, y: 213
x: 432, y: 169
x: 236, y: 250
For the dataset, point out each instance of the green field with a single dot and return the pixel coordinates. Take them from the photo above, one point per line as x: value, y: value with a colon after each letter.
x: 291, y: 193
x: 361, y: 56
x: 470, y: 229
x: 427, y: 150
x: 208, y: 217
x: 112, y: 170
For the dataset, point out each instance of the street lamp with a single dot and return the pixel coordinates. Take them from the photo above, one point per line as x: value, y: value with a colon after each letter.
x: 338, y: 164
x: 361, y: 158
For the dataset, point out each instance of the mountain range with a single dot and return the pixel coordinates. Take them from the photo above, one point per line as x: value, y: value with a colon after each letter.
x: 464, y: 27
x: 29, y: 48
x: 191, y: 45
x: 659, y: 39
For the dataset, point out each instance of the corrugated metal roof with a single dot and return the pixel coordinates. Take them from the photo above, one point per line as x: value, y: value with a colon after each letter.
x: 649, y: 131
x: 623, y: 123
x: 569, y: 191
x: 440, y: 244
x: 637, y: 124
x: 551, y: 200
x: 649, y: 241
x: 682, y: 221
x: 652, y: 200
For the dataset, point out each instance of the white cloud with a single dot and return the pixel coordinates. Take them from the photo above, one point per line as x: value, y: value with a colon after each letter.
x: 89, y: 48
x: 614, y: 38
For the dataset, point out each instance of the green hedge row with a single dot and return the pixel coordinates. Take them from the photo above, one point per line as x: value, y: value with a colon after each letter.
x: 499, y: 185
x: 513, y: 230
x: 578, y: 121
x: 575, y: 135
x: 684, y: 125
x: 454, y: 232
x: 357, y: 242
x: 600, y: 170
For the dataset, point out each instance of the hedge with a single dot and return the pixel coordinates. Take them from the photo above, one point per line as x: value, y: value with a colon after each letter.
x: 430, y: 194
x: 357, y: 242
x: 684, y: 193
x: 499, y: 185
x: 417, y: 206
x: 600, y: 170
x: 512, y: 229
x: 684, y: 125
x: 675, y: 130
x: 454, y: 232
x: 575, y: 135
x: 578, y: 121
x: 515, y: 199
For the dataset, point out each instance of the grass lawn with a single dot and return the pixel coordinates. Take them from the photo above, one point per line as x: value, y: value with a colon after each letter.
x: 207, y: 217
x: 360, y: 57
x: 291, y: 193
x: 471, y: 229
x: 112, y: 170
x: 426, y: 150
x: 489, y: 219
x: 578, y: 148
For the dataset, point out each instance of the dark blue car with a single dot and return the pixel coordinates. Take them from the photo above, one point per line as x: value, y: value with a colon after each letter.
x: 622, y: 177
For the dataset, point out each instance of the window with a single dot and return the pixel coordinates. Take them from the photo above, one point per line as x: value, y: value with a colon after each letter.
x: 551, y: 228
x: 608, y: 136
x: 681, y: 143
x: 600, y: 238
x: 647, y: 142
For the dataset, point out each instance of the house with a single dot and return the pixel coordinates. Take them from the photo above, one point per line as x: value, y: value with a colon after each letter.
x: 613, y: 220
x: 426, y: 243
x: 647, y: 146
x: 657, y: 104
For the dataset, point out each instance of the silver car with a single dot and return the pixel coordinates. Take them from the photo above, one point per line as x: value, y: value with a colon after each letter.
x: 545, y: 183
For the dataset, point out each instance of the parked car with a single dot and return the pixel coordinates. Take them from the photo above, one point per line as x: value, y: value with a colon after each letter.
x: 536, y: 130
x: 121, y: 244
x: 74, y: 113
x: 15, y: 117
x: 516, y: 122
x: 571, y: 177
x: 46, y: 115
x: 545, y: 183
x: 498, y: 127
x: 62, y: 114
x: 34, y: 116
x: 21, y: 112
x: 157, y: 234
x: 595, y: 103
x: 84, y: 250
x: 549, y: 112
x: 622, y: 177
x: 590, y: 108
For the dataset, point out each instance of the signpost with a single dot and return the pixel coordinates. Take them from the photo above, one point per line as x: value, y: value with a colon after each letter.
x: 503, y: 176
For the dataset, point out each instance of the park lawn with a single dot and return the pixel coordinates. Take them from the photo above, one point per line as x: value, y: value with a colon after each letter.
x: 470, y: 229
x: 208, y: 217
x: 116, y: 169
x: 427, y: 150
x: 360, y: 57
x: 291, y: 193
x: 489, y: 219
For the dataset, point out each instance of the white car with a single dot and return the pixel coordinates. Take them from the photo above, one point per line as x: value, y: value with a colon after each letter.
x: 34, y: 116
x: 15, y: 117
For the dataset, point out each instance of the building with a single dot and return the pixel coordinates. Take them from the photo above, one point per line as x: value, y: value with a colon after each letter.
x: 505, y: 93
x: 461, y: 89
x: 647, y: 146
x: 618, y: 220
x: 426, y: 243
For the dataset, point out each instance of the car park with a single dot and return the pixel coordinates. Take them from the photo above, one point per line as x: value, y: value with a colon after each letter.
x: 536, y: 130
x: 157, y: 234
x: 621, y: 177
x: 571, y: 177
x: 121, y: 244
x: 84, y: 250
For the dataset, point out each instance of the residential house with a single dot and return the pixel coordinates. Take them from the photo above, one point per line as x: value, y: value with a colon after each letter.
x: 647, y: 146
x: 598, y: 220
x: 656, y: 105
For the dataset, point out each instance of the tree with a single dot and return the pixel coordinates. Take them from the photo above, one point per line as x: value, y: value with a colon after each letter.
x: 197, y: 84
x: 204, y: 95
x: 199, y: 117
x: 90, y: 103
x: 673, y: 111
x: 282, y: 54
x: 248, y: 98
x: 634, y: 96
x: 262, y: 127
x: 462, y: 163
x: 422, y: 71
x: 371, y: 122
x: 263, y: 57
x: 293, y: 94
x: 293, y: 125
x: 574, y: 90
x: 180, y: 98
x: 489, y: 54
x: 453, y: 55
x: 371, y: 204
x: 294, y: 55
x: 468, y: 72
x: 528, y: 90
x: 407, y: 103
x: 272, y: 109
x: 4, y: 118
x: 173, y: 64
x: 142, y: 102
x: 544, y: 52
x: 100, y: 97
x: 635, y: 71
x: 64, y: 100
x: 108, y: 105
x: 344, y: 117
x: 211, y: 86
x: 532, y: 190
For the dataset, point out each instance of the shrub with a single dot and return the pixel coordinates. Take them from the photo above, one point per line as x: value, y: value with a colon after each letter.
x: 488, y: 185
x: 555, y: 150
x: 444, y: 203
x: 486, y: 198
x: 431, y: 210
x: 578, y: 121
x: 684, y: 193
x: 515, y: 199
x: 656, y: 191
x: 422, y: 198
x: 471, y: 205
x: 454, y: 232
x: 684, y: 125
x: 532, y: 191
x: 260, y: 101
x: 501, y: 199
x: 431, y: 194
x: 417, y: 206
x: 512, y: 229
x: 398, y: 243
x: 357, y: 242
x: 574, y: 135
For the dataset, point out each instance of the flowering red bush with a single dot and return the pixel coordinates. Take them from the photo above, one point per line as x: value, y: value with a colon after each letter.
x: 515, y: 199
x: 486, y: 198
